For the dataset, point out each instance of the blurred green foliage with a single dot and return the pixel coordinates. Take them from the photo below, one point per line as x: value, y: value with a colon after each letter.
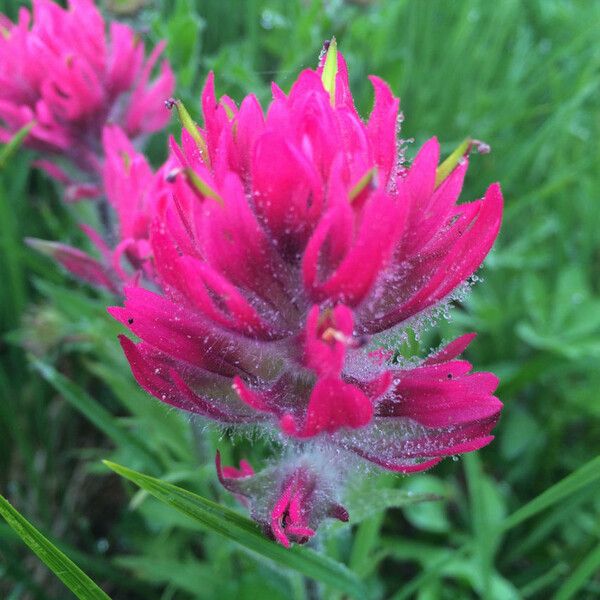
x: 524, y: 77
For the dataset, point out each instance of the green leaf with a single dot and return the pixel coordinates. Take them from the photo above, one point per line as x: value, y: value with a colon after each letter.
x: 92, y: 410
x: 586, y: 569
x: 487, y: 510
x: 365, y: 542
x: 368, y: 504
x: 191, y: 576
x: 564, y: 512
x: 65, y: 569
x: 442, y: 561
x: 428, y: 516
x: 14, y: 144
x: 569, y: 485
x: 228, y: 523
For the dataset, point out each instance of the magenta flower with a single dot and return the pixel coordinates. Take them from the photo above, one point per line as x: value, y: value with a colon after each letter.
x: 133, y: 191
x: 295, y: 237
x: 60, y: 69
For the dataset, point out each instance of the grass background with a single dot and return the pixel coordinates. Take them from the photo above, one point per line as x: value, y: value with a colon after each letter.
x: 524, y: 77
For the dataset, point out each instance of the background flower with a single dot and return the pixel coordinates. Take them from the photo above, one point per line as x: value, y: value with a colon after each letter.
x: 61, y: 69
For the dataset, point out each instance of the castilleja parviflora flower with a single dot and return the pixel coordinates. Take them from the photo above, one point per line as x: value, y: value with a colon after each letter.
x: 293, y: 238
x: 61, y: 71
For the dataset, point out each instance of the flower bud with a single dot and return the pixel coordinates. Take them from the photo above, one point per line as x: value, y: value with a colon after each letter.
x: 288, y: 499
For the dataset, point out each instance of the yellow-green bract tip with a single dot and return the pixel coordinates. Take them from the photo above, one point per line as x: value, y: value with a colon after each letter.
x: 452, y: 161
x: 188, y: 124
x: 330, y: 69
x: 201, y: 186
x: 369, y: 178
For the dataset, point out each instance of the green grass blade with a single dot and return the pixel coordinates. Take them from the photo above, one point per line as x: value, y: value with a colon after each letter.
x: 559, y: 515
x: 586, y: 569
x: 365, y: 543
x: 534, y: 588
x: 567, y: 486
x: 92, y: 410
x: 228, y: 523
x: 14, y: 144
x: 65, y: 569
x: 485, y: 516
x: 431, y: 572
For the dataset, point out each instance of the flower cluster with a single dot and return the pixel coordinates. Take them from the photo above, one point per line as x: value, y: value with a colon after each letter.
x: 284, y: 243
x: 62, y: 72
x: 291, y: 239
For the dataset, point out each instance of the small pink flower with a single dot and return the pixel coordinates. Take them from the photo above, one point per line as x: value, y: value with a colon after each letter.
x: 133, y: 191
x: 288, y: 499
x: 292, y: 238
x: 63, y: 70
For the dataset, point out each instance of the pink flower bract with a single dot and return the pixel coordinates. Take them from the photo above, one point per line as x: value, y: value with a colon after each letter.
x: 133, y: 190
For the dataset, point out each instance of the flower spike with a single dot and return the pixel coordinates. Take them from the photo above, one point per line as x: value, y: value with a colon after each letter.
x: 268, y: 302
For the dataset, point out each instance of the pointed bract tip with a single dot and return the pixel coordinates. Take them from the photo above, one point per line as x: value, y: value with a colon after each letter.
x: 201, y: 186
x: 452, y: 161
x: 458, y: 155
x: 330, y: 69
x: 189, y: 125
x: 369, y: 179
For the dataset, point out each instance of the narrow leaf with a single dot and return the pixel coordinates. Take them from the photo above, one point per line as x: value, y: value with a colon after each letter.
x: 228, y: 523
x: 15, y: 143
x: 366, y: 505
x: 569, y: 485
x: 92, y: 410
x: 65, y: 569
x: 431, y: 572
x: 587, y: 568
x: 364, y: 544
